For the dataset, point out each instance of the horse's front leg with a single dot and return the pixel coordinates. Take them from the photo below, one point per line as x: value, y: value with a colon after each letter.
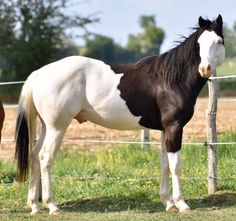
x: 173, y: 140
x: 164, y: 186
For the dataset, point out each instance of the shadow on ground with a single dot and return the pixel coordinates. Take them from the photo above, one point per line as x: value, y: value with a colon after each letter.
x: 219, y: 200
x: 144, y: 204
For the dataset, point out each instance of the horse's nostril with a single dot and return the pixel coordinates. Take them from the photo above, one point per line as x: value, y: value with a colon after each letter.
x: 205, y: 70
x: 208, y: 67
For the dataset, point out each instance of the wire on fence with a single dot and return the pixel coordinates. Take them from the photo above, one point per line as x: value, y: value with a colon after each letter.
x: 12, y: 82
x: 211, y: 78
x: 127, y: 179
x: 134, y: 142
x: 222, y: 77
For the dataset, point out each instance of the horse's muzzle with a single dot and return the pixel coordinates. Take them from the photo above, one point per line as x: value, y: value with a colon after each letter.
x: 205, y: 70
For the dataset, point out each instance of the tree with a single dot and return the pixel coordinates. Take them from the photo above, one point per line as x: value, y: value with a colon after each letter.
x: 141, y: 45
x: 149, y: 41
x: 104, y: 48
x: 100, y: 47
x: 230, y: 41
x: 33, y: 33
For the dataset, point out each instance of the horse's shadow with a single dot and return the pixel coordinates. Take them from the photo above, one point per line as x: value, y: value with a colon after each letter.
x: 144, y: 204
x: 112, y: 204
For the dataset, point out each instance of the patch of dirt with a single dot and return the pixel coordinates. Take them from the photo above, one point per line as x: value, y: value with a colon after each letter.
x: 195, y: 130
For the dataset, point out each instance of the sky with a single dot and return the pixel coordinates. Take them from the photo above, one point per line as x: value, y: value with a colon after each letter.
x: 119, y: 18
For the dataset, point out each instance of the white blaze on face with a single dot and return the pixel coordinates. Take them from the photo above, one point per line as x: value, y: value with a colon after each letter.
x: 212, y: 52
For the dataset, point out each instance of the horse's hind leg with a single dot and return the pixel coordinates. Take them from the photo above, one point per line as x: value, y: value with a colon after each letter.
x: 34, y: 183
x: 164, y: 186
x: 47, y: 155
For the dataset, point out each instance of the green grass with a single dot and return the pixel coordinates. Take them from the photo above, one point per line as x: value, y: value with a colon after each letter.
x: 122, y: 183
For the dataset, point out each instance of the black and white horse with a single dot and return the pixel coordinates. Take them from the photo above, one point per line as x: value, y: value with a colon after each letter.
x: 157, y: 92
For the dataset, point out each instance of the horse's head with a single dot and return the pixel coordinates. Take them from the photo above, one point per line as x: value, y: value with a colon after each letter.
x: 211, y: 44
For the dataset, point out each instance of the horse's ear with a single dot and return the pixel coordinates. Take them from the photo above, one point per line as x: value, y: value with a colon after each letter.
x: 219, y: 20
x: 202, y: 22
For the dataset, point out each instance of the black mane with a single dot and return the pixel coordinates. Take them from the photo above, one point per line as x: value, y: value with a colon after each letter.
x: 176, y: 64
x: 168, y: 67
x: 179, y: 62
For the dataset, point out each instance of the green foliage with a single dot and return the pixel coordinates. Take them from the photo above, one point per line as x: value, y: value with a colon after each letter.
x: 143, y: 44
x: 230, y: 41
x: 32, y: 34
x: 149, y: 41
x: 228, y: 67
x: 10, y: 93
x: 105, y: 49
x: 100, y: 47
x: 7, y: 172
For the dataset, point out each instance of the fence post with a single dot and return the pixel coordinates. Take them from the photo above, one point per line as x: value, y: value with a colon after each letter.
x: 212, y: 134
x: 145, y: 138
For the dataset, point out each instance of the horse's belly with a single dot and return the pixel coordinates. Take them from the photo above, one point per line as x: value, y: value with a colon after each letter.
x: 104, y: 104
x: 112, y: 119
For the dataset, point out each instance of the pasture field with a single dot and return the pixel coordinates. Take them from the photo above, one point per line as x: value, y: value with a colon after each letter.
x: 122, y: 183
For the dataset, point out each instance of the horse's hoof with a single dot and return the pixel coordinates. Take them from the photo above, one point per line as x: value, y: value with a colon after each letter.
x: 34, y: 212
x: 55, y: 212
x: 171, y: 209
x: 186, y: 211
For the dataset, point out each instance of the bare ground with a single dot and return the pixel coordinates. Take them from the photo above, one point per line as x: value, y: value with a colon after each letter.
x: 195, y: 130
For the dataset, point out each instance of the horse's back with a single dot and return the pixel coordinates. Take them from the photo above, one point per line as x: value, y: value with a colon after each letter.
x: 58, y: 89
x: 84, y: 88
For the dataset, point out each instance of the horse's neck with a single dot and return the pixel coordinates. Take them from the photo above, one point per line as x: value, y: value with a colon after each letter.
x: 121, y: 68
x: 195, y: 84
